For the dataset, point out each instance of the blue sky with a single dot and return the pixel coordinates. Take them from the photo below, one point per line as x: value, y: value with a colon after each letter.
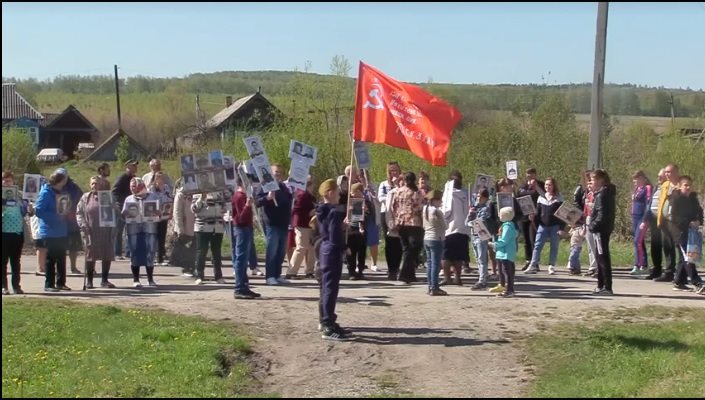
x: 649, y: 44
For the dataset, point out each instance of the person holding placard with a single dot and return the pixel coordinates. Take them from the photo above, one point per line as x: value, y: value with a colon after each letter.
x: 534, y: 188
x: 392, y: 248
x: 482, y: 213
x: 209, y: 209
x: 304, y: 209
x: 141, y: 236
x: 356, y: 241
x: 277, y: 215
x: 13, y: 212
x: 406, y: 208
x: 457, y: 241
x: 549, y: 227
x: 182, y: 254
x: 53, y: 229
x: 160, y: 186
x: 98, y: 241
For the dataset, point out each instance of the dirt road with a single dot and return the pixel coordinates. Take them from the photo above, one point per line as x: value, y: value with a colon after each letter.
x: 466, y: 344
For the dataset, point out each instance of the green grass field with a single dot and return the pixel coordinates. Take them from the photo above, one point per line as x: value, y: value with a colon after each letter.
x: 63, y: 349
x: 617, y: 359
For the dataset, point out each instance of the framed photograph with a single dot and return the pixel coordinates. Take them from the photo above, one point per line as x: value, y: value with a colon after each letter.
x: 204, y: 181
x: 202, y: 161
x: 512, y: 170
x: 357, y: 214
x: 480, y: 230
x: 362, y: 155
x: 484, y: 181
x: 568, y: 213
x: 105, y: 198
x: 31, y: 186
x: 219, y: 180
x: 527, y: 205
x: 167, y: 209
x: 10, y: 196
x: 132, y: 213
x: 190, y: 185
x: 187, y: 164
x: 298, y: 175
x: 254, y: 146
x: 216, y: 158
x: 229, y: 165
x: 150, y: 211
x: 106, y: 217
x: 266, y: 178
x: 504, y: 200
x: 63, y: 204
x: 302, y: 152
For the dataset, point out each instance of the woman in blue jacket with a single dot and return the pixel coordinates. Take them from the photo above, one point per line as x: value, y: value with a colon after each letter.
x: 641, y: 198
x: 53, y: 229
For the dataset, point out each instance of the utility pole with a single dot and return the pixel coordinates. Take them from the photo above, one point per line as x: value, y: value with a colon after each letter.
x: 117, y: 96
x: 598, y: 82
x: 673, y: 114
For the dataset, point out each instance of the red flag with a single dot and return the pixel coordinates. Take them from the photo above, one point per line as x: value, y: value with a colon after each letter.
x: 402, y: 115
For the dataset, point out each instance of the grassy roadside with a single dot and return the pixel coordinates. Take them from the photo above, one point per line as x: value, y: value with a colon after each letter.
x: 63, y: 349
x: 618, y: 359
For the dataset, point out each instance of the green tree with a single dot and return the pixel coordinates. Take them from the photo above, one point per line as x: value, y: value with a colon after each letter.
x: 18, y: 153
x: 123, y: 150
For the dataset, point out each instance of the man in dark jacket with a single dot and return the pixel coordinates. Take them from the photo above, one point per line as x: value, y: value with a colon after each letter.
x: 121, y: 190
x: 277, y: 216
x: 687, y: 214
x: 533, y: 188
x: 601, y: 227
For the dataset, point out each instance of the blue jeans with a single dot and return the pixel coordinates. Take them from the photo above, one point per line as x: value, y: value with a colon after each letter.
x: 481, y: 252
x: 434, y: 253
x: 542, y: 234
x: 574, y: 259
x: 276, y: 250
x: 242, y: 244
x: 640, y: 258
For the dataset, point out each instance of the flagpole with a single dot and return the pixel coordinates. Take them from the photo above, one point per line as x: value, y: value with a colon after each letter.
x: 347, y: 204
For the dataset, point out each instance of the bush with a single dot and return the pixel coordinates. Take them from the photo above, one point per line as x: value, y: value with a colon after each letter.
x: 18, y: 153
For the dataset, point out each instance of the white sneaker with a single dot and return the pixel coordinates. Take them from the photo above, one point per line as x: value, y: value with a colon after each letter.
x: 374, y: 268
x: 531, y: 270
x: 220, y: 281
x: 635, y: 271
x: 164, y: 264
x: 199, y: 281
x: 136, y: 284
x: 187, y: 275
x: 257, y: 272
x: 551, y: 270
x: 272, y: 281
x: 282, y: 281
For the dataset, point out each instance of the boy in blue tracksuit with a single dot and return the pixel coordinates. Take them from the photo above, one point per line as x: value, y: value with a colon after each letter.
x: 506, y: 249
x: 331, y: 225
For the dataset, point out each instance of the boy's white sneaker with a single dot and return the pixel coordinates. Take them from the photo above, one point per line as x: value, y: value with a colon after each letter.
x: 551, y: 270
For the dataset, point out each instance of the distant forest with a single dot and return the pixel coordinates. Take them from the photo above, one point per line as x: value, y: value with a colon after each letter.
x: 619, y: 99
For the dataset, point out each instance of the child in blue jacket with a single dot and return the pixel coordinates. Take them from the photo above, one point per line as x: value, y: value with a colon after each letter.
x: 506, y: 249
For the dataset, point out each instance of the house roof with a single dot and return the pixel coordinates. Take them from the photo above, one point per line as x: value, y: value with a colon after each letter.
x: 116, y: 136
x: 53, y: 119
x: 15, y: 106
x: 225, y: 114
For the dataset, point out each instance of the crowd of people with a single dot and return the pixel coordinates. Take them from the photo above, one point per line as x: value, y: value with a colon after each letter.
x: 348, y: 215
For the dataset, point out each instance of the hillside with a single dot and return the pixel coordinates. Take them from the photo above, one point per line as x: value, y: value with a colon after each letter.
x: 619, y: 99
